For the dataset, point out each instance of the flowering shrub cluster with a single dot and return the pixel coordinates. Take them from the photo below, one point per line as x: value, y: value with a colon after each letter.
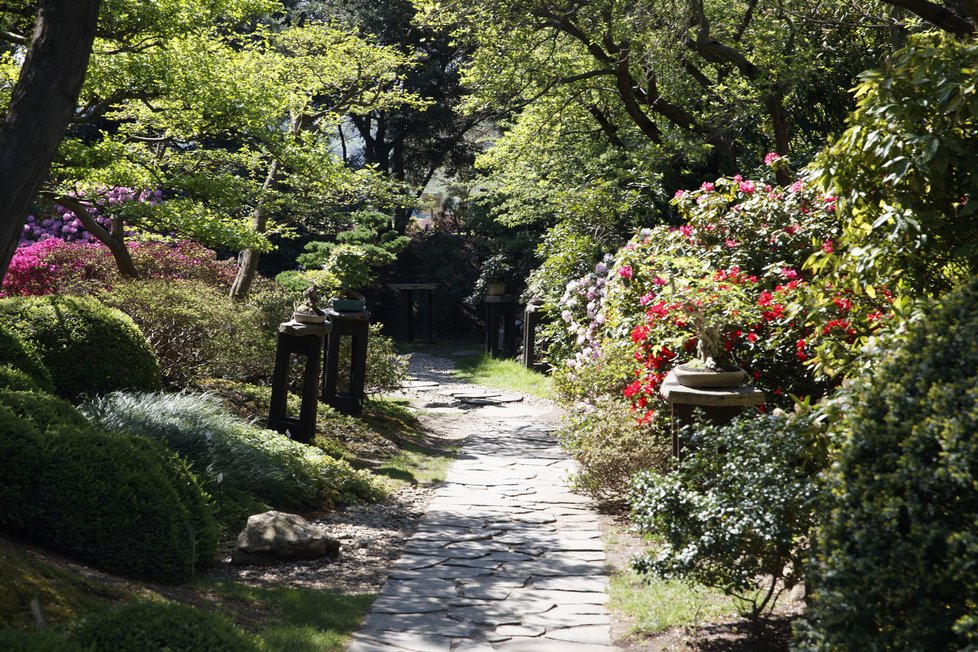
x: 66, y: 225
x: 735, y: 269
x: 54, y: 266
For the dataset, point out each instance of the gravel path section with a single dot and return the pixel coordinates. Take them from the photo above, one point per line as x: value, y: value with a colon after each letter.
x: 506, y: 557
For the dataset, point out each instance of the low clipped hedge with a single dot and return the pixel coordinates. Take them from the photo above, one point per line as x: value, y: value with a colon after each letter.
x: 16, y: 354
x: 896, y: 567
x: 17, y: 380
x: 121, y: 503
x: 88, y: 348
x: 143, y: 626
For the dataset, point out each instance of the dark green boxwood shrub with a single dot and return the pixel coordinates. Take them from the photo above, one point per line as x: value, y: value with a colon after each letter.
x: 14, y: 352
x: 17, y: 380
x: 14, y: 640
x: 148, y: 626
x: 46, y: 412
x: 124, y: 504
x: 89, y: 349
x: 895, y: 565
x: 736, y: 512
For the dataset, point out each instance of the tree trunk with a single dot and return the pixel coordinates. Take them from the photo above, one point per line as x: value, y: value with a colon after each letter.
x: 113, y: 238
x: 42, y: 103
x: 248, y: 259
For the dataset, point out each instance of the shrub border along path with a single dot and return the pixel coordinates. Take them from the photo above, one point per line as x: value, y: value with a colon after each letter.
x: 506, y: 556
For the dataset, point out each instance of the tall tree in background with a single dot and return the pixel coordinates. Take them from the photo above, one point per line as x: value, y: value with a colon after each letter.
x: 40, y: 108
x: 409, y: 143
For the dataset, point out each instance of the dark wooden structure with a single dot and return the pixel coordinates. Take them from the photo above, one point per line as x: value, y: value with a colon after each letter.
x: 305, y: 341
x: 356, y: 326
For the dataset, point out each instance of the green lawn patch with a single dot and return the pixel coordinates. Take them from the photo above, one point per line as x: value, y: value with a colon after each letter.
x: 297, y: 620
x: 653, y: 605
x: 502, y: 374
x: 62, y: 594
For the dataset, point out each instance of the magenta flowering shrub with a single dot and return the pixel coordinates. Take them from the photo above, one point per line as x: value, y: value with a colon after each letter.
x: 54, y: 266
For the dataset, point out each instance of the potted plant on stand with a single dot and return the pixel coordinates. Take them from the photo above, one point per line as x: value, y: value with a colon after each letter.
x: 493, y: 278
x: 308, y: 311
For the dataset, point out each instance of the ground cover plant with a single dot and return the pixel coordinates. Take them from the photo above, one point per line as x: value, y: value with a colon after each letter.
x: 233, y: 456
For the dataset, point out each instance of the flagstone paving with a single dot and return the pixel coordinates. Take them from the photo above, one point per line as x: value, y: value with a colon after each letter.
x: 506, y: 556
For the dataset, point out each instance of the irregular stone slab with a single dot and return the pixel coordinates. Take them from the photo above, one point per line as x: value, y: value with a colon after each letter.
x: 591, y: 635
x: 439, y: 572
x: 416, y: 604
x: 385, y: 641
x: 572, y: 584
x: 520, y: 630
x: 555, y: 620
x: 430, y: 587
x: 563, y: 597
x: 273, y: 537
x: 550, y: 645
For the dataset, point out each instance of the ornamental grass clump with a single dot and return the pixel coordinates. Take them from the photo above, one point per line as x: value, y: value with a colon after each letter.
x: 232, y: 456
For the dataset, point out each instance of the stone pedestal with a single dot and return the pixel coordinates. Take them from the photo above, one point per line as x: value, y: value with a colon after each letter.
x: 306, y: 341
x: 423, y: 293
x: 501, y: 312
x: 356, y: 326
x: 719, y: 404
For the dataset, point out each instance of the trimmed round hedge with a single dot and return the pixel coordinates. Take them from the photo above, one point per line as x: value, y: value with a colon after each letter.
x: 143, y: 626
x: 17, y: 380
x: 88, y: 348
x: 125, y: 504
x: 896, y: 567
x: 15, y: 353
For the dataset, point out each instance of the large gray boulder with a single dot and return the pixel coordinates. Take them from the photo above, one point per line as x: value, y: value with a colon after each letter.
x: 277, y: 536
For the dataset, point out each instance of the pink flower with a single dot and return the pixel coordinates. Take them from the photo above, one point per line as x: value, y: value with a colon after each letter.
x: 828, y: 247
x: 796, y: 186
x: 788, y: 274
x: 658, y: 281
x: 771, y: 157
x: 625, y: 272
x: 686, y: 230
x: 747, y: 187
x: 708, y: 186
x: 679, y: 194
x: 738, y: 178
x: 731, y: 243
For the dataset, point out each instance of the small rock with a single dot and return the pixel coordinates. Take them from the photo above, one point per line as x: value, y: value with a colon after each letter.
x: 277, y: 536
x: 797, y: 593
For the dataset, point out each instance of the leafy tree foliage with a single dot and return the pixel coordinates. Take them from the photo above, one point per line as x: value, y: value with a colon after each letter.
x: 906, y: 172
x: 160, y: 111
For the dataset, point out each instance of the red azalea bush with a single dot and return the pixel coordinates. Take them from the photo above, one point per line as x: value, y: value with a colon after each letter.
x: 54, y: 266
x: 737, y: 264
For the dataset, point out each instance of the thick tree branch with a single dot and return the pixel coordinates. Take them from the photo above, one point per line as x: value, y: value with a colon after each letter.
x: 940, y: 16
x: 113, y: 239
x: 607, y: 127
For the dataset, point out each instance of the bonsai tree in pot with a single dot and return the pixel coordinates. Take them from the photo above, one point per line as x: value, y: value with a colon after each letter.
x: 308, y: 310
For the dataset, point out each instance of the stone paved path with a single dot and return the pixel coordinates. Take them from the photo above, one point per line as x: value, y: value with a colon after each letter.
x: 506, y: 557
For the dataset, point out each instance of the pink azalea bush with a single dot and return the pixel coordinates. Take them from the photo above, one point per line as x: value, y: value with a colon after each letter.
x: 55, y: 266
